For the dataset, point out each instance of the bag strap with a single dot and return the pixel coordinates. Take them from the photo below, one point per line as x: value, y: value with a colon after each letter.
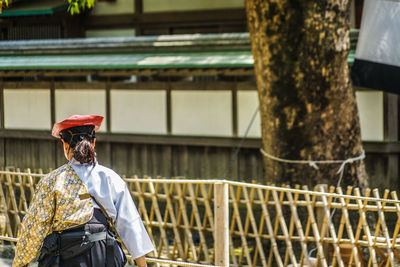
x: 110, y: 221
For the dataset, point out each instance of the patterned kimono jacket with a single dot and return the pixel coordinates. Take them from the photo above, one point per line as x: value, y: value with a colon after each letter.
x: 56, y: 206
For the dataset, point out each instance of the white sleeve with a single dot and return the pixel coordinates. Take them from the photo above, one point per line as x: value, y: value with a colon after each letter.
x: 130, y: 227
x: 112, y: 193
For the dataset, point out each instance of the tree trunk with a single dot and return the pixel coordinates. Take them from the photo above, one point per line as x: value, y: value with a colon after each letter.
x: 307, y: 104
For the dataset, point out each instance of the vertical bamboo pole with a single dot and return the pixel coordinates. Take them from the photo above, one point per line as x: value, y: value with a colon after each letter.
x: 237, y: 220
x: 161, y: 224
x: 247, y: 221
x: 308, y: 226
x: 254, y: 226
x: 12, y: 203
x: 397, y: 229
x: 207, y: 197
x: 31, y: 185
x: 178, y: 245
x: 378, y: 230
x: 292, y: 220
x: 359, y: 225
x: 315, y: 229
x: 363, y: 219
x: 384, y: 228
x: 267, y: 217
x: 297, y: 222
x: 331, y: 227
x: 23, y: 204
x: 3, y: 202
x: 346, y: 220
x: 321, y: 219
x: 221, y: 230
x: 276, y: 225
x: 186, y: 227
x: 279, y: 214
x: 244, y: 249
x: 142, y: 209
x: 201, y: 229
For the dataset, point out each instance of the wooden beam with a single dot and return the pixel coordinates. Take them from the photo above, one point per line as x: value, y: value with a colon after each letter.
x: 239, y: 72
x: 108, y: 105
x: 391, y: 116
x: 111, y: 21
x: 129, y: 72
x: 134, y: 85
x: 26, y: 134
x: 169, y: 109
x: 359, y: 9
x: 208, y: 16
x: 184, y: 85
x: 80, y: 85
x: 189, y: 72
x: 138, y: 12
x: 381, y: 147
x: 247, y: 85
x: 19, y: 73
x: 179, y: 140
x: 127, y: 20
x: 138, y: 7
x: 391, y: 133
x: 44, y: 73
x: 210, y: 85
x: 140, y: 138
x: 1, y: 104
x: 27, y: 85
x: 52, y: 103
x: 2, y: 152
x: 370, y: 147
x: 68, y: 73
x: 139, y: 85
x: 234, y: 111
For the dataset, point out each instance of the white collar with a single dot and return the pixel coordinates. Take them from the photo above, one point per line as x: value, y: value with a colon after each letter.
x: 73, y: 161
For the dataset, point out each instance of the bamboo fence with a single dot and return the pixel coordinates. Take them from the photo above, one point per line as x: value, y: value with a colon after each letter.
x: 220, y: 222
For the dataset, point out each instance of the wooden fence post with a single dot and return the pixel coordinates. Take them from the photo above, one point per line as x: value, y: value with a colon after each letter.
x: 221, y: 224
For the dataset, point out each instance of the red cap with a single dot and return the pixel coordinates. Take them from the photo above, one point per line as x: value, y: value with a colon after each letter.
x: 77, y: 120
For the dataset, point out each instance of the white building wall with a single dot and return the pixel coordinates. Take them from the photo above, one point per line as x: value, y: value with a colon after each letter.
x: 247, y: 105
x: 27, y: 109
x: 370, y: 106
x: 138, y: 111
x: 202, y: 112
x: 194, y: 112
x: 80, y: 102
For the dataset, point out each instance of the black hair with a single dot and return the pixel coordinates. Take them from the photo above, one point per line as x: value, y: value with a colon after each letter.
x: 80, y: 139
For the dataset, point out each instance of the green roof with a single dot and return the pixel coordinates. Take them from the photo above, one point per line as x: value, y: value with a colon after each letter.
x: 31, y: 7
x: 206, y: 51
x: 118, y: 61
x: 242, y: 59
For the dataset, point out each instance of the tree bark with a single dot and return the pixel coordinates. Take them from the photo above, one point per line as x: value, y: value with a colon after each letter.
x: 307, y: 104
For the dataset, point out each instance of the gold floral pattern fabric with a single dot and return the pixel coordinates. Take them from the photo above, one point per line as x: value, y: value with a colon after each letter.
x: 56, y: 206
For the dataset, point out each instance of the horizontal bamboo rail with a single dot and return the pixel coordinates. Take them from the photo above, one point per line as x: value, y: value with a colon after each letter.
x: 223, y: 222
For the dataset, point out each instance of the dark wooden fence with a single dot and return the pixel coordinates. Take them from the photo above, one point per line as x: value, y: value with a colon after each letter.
x: 176, y: 156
